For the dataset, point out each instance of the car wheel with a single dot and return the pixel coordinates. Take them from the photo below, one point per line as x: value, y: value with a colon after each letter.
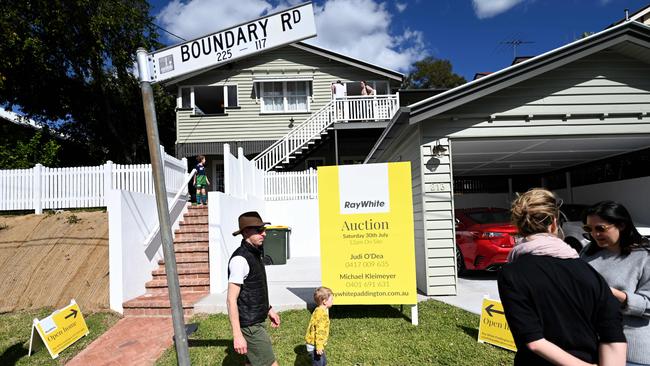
x: 574, y: 244
x: 460, y: 263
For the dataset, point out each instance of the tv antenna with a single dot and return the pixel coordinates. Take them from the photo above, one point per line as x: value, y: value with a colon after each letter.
x: 514, y: 44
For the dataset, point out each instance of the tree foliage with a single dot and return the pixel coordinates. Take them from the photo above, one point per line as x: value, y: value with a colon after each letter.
x: 68, y: 63
x: 433, y: 73
x: 24, y: 152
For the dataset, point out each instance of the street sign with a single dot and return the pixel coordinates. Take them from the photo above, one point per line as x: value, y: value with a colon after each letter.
x: 493, y: 327
x: 275, y: 30
x: 61, y: 329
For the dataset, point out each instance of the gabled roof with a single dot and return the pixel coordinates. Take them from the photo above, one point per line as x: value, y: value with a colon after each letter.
x: 349, y: 60
x: 397, y: 76
x: 629, y: 31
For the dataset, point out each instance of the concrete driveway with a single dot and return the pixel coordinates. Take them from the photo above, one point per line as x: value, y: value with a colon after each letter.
x: 471, y: 290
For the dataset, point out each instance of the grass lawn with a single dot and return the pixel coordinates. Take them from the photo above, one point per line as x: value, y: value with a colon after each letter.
x: 15, y: 329
x: 359, y: 335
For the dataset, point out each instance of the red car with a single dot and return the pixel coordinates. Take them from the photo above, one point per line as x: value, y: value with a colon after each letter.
x: 484, y: 237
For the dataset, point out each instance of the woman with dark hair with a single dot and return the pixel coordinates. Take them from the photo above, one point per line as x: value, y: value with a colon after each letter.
x: 622, y: 256
x: 560, y: 310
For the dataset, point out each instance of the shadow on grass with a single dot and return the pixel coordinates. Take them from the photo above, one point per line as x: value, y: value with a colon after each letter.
x: 302, y: 356
x: 13, y: 354
x: 366, y: 311
x: 210, y: 342
x: 472, y: 332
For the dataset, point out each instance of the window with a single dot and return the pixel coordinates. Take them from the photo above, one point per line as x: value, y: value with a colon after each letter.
x: 284, y: 96
x: 209, y: 99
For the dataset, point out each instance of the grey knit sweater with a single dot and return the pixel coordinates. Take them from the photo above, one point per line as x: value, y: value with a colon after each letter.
x: 630, y: 274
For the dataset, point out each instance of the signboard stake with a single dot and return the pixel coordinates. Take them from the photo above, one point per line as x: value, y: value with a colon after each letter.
x: 180, y: 336
x: 414, y: 315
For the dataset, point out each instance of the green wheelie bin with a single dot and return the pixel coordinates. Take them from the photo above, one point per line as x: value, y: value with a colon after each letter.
x: 276, y: 245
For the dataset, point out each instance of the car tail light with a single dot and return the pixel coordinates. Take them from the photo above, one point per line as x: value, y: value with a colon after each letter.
x: 503, y: 240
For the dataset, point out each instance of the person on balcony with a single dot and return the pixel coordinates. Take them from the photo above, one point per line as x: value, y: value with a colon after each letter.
x: 367, y: 89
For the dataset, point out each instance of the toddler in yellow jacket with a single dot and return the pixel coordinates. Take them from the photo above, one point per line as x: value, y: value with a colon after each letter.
x: 319, y: 326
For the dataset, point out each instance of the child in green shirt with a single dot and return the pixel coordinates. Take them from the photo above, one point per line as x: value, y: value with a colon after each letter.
x: 319, y: 326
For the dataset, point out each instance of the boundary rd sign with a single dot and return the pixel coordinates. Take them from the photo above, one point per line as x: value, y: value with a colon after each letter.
x: 61, y: 329
x: 493, y: 328
x: 275, y: 30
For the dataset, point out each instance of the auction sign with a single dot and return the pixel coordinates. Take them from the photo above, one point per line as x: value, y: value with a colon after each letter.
x: 272, y: 31
x: 366, y: 233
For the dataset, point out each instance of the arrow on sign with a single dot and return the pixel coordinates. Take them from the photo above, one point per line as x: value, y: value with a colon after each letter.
x: 73, y: 313
x: 490, y: 309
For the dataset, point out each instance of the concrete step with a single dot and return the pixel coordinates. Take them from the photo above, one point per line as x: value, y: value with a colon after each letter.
x: 189, y: 257
x: 187, y: 285
x: 191, y: 237
x: 185, y: 268
x: 159, y: 305
x: 196, y: 212
x: 194, y: 220
x: 188, y: 276
x: 196, y: 228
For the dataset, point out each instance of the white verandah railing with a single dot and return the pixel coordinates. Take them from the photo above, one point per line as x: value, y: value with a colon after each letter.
x: 349, y: 109
x: 76, y: 187
x: 284, y: 186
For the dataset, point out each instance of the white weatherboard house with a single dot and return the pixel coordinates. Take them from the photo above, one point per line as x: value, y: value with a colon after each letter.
x: 552, y: 115
x: 278, y: 106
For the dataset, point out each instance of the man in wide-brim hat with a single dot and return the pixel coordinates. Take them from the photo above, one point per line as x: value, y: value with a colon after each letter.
x: 248, y: 294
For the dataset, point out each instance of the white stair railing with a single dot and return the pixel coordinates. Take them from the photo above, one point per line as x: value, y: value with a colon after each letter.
x: 357, y: 108
x: 307, y: 131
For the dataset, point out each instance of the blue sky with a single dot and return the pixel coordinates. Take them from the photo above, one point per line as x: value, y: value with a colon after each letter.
x: 393, y: 33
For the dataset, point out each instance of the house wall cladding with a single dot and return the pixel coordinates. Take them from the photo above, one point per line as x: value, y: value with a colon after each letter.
x: 409, y: 150
x: 438, y: 215
x: 592, y: 95
x: 248, y: 123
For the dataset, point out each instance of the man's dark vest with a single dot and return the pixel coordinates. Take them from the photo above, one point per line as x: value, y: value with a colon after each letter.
x: 253, y: 300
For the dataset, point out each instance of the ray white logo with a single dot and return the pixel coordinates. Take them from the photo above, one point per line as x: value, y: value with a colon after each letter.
x: 364, y: 189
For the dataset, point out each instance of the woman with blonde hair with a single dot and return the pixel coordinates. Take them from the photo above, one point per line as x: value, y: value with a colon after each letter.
x: 560, y: 310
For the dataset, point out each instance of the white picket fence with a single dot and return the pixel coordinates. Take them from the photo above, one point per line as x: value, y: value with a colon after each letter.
x: 56, y: 188
x: 285, y: 186
x: 243, y: 179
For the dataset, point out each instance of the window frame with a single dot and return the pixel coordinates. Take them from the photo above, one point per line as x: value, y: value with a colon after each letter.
x: 179, y: 99
x: 285, y: 96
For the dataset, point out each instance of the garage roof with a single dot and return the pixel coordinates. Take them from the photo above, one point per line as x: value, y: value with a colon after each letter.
x: 618, y: 37
x: 631, y: 31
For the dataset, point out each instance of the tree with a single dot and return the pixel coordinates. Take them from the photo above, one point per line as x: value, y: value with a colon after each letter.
x: 22, y: 152
x: 68, y: 63
x: 432, y: 73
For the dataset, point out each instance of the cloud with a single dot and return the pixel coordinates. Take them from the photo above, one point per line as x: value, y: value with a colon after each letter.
x: 197, y: 17
x: 400, y: 6
x: 355, y: 28
x: 489, y: 8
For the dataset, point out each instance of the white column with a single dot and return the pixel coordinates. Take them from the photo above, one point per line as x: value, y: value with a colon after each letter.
x: 226, y: 170
x: 38, y: 194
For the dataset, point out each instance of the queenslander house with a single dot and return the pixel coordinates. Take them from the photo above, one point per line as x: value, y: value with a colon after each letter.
x: 279, y: 106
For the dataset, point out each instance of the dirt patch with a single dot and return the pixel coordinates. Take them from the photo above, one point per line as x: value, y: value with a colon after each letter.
x: 46, y: 260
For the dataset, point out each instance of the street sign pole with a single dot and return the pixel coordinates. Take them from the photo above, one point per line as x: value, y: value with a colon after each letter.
x: 153, y: 140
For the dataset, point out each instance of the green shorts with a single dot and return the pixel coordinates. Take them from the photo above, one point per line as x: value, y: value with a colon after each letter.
x: 201, y: 181
x: 260, y: 350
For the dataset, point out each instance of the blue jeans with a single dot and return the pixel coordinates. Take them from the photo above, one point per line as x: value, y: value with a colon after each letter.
x: 318, y: 360
x: 634, y: 364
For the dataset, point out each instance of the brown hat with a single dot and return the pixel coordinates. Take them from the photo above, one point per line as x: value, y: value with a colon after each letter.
x: 249, y: 219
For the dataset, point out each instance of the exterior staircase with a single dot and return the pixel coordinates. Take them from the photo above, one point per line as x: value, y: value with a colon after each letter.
x: 191, y: 248
x: 307, y: 135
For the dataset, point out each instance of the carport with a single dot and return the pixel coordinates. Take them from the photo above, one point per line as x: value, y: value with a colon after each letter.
x: 541, y: 122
